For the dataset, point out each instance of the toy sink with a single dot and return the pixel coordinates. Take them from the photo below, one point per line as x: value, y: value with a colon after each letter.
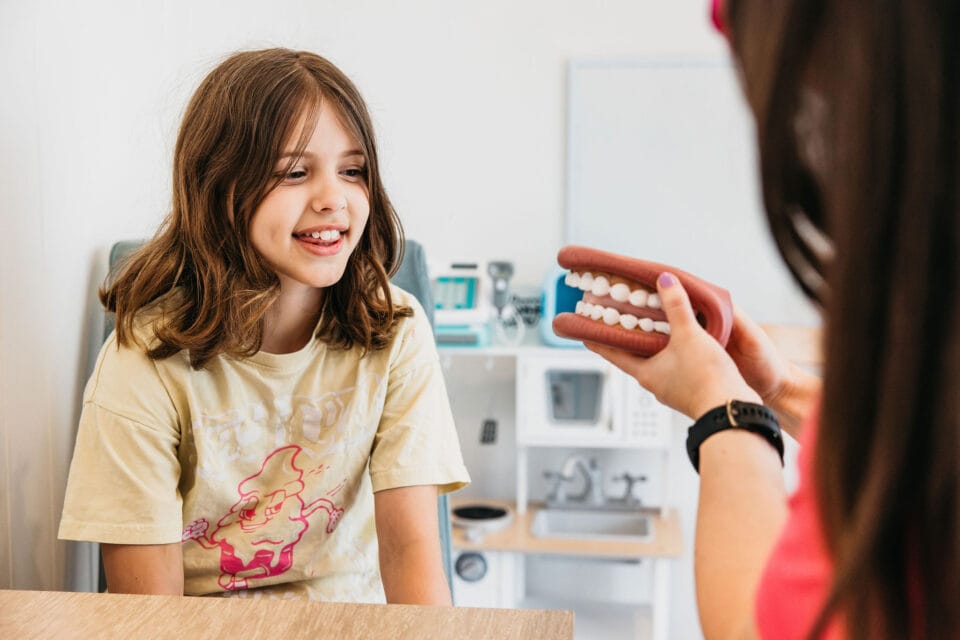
x: 592, y: 524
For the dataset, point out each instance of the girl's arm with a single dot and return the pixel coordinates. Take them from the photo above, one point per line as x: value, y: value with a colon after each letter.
x: 155, y: 569
x: 408, y: 531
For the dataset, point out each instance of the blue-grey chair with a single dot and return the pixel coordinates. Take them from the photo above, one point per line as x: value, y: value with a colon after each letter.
x: 411, y: 276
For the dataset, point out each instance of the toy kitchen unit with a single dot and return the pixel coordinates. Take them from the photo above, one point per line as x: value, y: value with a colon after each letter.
x: 567, y: 509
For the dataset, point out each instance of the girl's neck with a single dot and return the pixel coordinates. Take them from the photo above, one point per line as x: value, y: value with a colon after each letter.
x: 291, y: 319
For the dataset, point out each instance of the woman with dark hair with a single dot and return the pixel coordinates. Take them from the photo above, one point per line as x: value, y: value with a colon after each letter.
x: 856, y: 108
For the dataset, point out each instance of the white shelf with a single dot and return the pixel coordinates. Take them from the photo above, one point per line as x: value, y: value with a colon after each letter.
x: 572, y: 443
x: 531, y: 344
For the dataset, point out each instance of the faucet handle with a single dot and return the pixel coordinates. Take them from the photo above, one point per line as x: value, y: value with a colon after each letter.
x: 630, y: 480
x: 558, y: 492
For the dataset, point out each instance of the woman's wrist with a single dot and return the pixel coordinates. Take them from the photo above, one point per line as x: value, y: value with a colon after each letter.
x: 713, y: 398
x: 792, y: 400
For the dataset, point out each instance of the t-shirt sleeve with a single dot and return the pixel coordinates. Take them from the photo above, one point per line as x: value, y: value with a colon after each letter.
x: 416, y: 441
x: 123, y: 481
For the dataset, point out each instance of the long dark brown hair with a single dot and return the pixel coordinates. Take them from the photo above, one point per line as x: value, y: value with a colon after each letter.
x: 887, y: 463
x: 215, y: 287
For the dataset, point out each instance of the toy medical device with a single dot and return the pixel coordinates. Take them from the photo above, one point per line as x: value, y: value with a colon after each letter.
x: 462, y: 300
x: 620, y: 307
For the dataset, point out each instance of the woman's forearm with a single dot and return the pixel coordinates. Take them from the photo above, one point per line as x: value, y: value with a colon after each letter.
x: 741, y: 511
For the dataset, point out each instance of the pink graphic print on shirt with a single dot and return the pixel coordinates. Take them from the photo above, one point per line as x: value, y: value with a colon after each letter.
x: 256, y: 538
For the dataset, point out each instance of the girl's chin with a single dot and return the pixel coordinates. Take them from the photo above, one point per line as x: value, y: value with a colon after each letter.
x: 306, y: 283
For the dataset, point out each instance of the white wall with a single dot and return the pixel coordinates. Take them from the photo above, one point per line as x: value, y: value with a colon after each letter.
x: 469, y: 102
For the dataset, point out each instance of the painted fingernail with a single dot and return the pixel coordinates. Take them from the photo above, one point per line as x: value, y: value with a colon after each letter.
x: 666, y: 280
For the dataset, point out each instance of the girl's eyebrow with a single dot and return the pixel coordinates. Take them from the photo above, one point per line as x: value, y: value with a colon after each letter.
x: 307, y: 154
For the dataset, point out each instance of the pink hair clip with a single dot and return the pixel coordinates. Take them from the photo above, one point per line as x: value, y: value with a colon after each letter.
x: 716, y: 15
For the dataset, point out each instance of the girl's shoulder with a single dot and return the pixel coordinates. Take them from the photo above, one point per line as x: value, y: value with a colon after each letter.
x: 414, y: 332
x: 148, y: 318
x: 403, y: 298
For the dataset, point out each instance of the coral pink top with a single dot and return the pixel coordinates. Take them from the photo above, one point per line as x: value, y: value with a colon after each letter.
x: 798, y: 575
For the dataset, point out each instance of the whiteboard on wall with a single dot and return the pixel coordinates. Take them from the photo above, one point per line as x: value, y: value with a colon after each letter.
x: 661, y: 165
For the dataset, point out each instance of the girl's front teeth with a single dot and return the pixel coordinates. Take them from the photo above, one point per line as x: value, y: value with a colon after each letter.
x: 327, y: 235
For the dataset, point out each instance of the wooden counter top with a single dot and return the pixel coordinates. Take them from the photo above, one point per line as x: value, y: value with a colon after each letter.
x: 517, y: 537
x: 49, y: 614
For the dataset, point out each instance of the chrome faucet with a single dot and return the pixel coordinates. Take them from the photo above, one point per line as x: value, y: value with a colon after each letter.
x: 592, y: 495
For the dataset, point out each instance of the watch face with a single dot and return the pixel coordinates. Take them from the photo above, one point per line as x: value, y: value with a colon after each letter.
x: 471, y: 566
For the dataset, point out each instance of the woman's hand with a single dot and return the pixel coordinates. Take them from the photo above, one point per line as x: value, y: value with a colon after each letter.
x: 785, y: 387
x: 693, y: 374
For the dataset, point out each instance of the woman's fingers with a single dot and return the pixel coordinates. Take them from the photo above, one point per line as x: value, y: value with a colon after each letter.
x: 626, y: 362
x: 675, y: 303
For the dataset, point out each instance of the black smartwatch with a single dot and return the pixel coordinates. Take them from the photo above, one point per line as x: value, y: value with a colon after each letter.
x: 734, y: 415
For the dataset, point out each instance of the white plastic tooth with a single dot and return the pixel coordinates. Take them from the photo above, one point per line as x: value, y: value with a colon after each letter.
x: 601, y: 286
x: 620, y: 292
x: 638, y: 298
x: 661, y: 327
x: 587, y: 309
x: 579, y: 309
x: 586, y: 281
x: 597, y: 312
x: 611, y: 316
x: 628, y: 321
x: 653, y: 301
x: 572, y: 279
x: 646, y: 324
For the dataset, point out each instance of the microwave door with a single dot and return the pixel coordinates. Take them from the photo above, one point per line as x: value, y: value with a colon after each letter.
x: 579, y: 399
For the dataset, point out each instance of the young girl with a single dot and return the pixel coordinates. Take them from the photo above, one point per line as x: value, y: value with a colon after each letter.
x: 270, y: 409
x: 858, y: 122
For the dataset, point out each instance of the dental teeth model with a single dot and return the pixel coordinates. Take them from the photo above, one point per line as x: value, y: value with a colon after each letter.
x: 620, y: 291
x: 620, y: 307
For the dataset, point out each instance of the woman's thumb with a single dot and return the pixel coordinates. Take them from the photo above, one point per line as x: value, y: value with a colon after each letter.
x: 675, y: 303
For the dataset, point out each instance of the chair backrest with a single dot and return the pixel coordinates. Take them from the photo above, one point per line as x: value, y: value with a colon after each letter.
x: 411, y: 276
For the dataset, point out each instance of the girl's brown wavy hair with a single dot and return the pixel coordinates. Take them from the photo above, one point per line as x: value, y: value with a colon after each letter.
x: 887, y: 463
x: 214, y: 286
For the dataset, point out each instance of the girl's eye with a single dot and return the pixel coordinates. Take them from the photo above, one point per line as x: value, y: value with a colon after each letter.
x: 355, y: 173
x: 295, y: 175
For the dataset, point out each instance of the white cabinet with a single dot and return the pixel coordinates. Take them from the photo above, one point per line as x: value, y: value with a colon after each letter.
x: 575, y: 399
x: 566, y: 401
x: 484, y: 578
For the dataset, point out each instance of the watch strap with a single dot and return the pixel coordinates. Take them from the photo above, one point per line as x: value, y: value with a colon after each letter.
x: 755, y: 418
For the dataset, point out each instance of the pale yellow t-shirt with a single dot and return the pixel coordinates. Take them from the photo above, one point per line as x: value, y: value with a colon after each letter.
x: 264, y: 467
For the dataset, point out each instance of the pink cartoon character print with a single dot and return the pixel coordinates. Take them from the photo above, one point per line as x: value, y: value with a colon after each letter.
x: 257, y: 536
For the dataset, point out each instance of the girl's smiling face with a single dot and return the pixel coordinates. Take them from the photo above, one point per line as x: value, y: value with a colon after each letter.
x: 307, y: 227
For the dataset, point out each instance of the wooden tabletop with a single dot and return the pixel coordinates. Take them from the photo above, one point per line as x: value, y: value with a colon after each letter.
x: 50, y: 614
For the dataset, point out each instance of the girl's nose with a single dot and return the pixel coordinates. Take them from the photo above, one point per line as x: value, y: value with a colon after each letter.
x: 328, y: 199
